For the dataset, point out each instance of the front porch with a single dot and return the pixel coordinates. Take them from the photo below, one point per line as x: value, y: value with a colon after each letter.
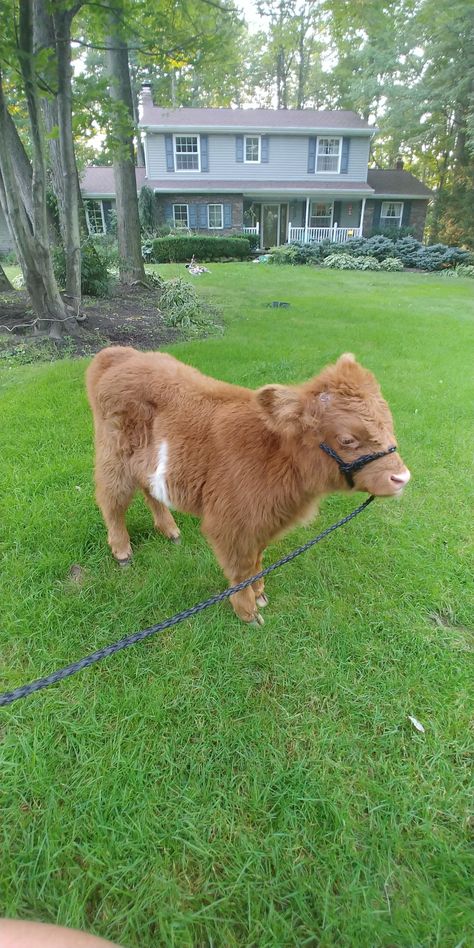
x: 303, y: 220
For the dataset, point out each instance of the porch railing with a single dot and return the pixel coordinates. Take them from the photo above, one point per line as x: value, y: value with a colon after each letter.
x: 252, y: 230
x: 305, y: 235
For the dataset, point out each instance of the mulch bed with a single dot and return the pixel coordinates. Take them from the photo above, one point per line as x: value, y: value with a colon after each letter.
x: 129, y: 316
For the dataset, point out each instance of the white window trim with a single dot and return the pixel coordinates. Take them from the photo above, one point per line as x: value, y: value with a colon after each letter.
x: 392, y: 219
x: 248, y: 161
x: 187, y: 170
x: 212, y: 227
x: 95, y: 233
x: 313, y: 215
x: 320, y: 138
x: 180, y: 224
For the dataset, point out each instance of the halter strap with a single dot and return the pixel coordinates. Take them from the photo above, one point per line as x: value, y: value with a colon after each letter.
x: 347, y: 468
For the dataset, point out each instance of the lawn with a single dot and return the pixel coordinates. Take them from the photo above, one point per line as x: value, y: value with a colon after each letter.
x: 226, y: 785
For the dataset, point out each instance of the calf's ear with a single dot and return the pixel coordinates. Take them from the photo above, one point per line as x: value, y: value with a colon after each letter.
x: 346, y: 357
x: 282, y: 408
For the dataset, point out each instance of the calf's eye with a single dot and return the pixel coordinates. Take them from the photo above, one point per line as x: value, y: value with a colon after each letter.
x: 347, y: 441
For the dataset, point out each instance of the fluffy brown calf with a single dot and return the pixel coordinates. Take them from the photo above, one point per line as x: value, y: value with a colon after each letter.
x: 249, y: 463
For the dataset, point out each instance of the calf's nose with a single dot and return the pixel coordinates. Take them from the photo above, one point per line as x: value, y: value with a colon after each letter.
x: 401, y: 478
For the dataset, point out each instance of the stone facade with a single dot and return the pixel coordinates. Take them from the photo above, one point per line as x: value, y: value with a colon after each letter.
x: 416, y: 218
x: 235, y: 200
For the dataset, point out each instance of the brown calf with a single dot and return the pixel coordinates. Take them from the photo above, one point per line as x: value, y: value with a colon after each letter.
x: 249, y: 463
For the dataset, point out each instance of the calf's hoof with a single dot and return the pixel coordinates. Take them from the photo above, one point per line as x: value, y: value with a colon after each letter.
x: 258, y: 619
x: 124, y: 562
x: 175, y: 537
x: 262, y: 600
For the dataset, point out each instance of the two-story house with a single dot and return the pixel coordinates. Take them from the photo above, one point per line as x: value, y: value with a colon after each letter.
x: 284, y: 174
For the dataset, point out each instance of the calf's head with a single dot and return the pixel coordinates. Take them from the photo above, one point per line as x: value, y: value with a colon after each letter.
x: 343, y: 408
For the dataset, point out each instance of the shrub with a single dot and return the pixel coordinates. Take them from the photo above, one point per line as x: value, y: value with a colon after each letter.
x: 379, y: 247
x: 253, y: 239
x: 182, y: 307
x: 289, y: 253
x: 367, y: 263
x: 394, y: 233
x: 406, y: 249
x: 465, y: 270
x: 95, y: 278
x: 146, y: 209
x: 340, y: 261
x: 180, y: 249
x: 391, y: 263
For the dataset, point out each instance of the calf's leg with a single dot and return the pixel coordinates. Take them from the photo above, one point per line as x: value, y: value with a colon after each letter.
x: 163, y: 519
x: 113, y: 507
x: 238, y: 564
x: 259, y: 586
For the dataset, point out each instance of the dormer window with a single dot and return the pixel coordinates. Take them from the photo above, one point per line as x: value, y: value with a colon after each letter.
x: 252, y: 149
x: 328, y: 155
x: 186, y: 153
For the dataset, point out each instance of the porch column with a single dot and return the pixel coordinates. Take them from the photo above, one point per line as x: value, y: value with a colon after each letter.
x: 362, y: 212
x: 306, y: 221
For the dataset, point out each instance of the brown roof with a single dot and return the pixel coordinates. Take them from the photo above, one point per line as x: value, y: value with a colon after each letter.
x: 99, y: 181
x: 393, y: 183
x: 297, y: 119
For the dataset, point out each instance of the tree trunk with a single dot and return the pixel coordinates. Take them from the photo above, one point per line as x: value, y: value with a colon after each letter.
x: 4, y: 281
x: 52, y: 31
x: 31, y: 235
x: 71, y: 236
x: 128, y: 224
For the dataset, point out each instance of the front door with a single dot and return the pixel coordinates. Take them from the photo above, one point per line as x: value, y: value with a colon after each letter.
x: 270, y: 225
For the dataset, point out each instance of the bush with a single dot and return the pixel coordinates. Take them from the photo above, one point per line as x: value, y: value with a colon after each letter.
x: 95, y: 278
x: 182, y: 308
x: 406, y: 249
x: 463, y: 270
x: 146, y: 210
x: 253, y: 239
x: 379, y: 247
x: 341, y: 261
x: 391, y: 263
x: 180, y: 249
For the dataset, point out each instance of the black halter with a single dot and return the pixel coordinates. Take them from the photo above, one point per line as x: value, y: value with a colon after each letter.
x: 349, y: 469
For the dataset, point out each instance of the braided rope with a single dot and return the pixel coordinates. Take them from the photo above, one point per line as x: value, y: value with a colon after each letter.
x: 23, y: 691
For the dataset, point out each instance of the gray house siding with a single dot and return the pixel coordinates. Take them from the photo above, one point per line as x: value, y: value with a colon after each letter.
x: 287, y: 156
x: 6, y: 242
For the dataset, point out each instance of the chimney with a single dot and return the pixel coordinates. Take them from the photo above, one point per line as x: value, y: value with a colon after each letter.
x: 145, y: 98
x: 399, y: 164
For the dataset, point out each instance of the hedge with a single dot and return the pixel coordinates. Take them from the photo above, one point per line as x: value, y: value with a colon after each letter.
x: 180, y: 249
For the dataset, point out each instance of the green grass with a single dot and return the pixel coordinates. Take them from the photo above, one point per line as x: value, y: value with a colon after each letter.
x: 231, y: 786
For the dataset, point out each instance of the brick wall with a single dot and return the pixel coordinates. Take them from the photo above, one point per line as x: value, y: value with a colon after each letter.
x: 417, y: 219
x: 236, y: 200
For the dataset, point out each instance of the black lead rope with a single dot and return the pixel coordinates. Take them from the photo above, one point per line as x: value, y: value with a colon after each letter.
x: 349, y: 468
x: 24, y: 690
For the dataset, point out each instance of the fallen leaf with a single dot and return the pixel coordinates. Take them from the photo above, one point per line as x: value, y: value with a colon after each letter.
x: 417, y: 724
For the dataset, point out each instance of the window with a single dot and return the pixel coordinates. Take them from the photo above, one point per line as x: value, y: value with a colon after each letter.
x: 320, y: 215
x: 391, y: 213
x: 180, y: 215
x: 95, y: 217
x: 186, y: 148
x: 215, y: 216
x: 252, y: 148
x: 328, y: 156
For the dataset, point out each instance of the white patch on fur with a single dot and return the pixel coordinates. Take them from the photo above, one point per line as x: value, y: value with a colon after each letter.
x: 158, y: 485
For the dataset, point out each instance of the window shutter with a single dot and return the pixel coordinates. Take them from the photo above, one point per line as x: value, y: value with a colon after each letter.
x: 345, y: 155
x: 239, y: 147
x: 337, y: 213
x: 192, y: 215
x: 265, y: 147
x: 311, y: 154
x: 376, y: 217
x: 227, y: 215
x: 406, y: 213
x: 202, y: 215
x: 168, y: 213
x: 169, y: 153
x: 204, y: 153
